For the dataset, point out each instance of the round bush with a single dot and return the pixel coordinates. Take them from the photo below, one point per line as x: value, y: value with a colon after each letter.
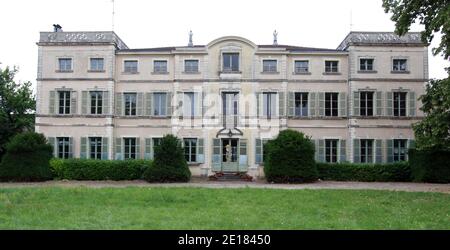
x: 27, y: 158
x: 169, y: 164
x: 290, y: 158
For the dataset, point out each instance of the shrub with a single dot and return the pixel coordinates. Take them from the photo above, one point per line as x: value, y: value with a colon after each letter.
x: 290, y: 158
x: 431, y: 165
x: 169, y: 162
x: 27, y: 158
x: 89, y: 169
x: 395, y: 172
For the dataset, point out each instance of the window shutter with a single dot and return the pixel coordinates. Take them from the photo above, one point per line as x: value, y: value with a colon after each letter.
x: 356, y: 151
x: 343, y: 151
x: 52, y: 102
x: 119, y: 104
x: 105, y: 148
x: 138, y: 148
x: 140, y: 104
x: 148, y: 103
x: 258, y: 105
x: 52, y: 142
x: 200, y: 151
x: 179, y: 103
x: 291, y: 104
x: 105, y: 103
x: 169, y: 104
x: 198, y: 104
x: 390, y: 150
x: 204, y: 108
x: 216, y: 156
x: 342, y: 104
x: 389, y: 104
x: 412, y: 103
x: 73, y: 102
x: 321, y: 150
x: 321, y: 104
x: 316, y: 149
x: 243, y: 158
x: 148, y: 149
x: 84, y: 102
x: 411, y: 143
x: 281, y: 103
x: 118, y: 146
x: 83, y: 148
x: 378, y: 151
x: 70, y: 147
x: 258, y: 151
x: 379, y: 103
x: 312, y: 104
x: 356, y: 111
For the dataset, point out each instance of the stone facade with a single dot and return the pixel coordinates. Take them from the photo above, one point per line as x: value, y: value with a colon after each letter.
x: 357, y: 102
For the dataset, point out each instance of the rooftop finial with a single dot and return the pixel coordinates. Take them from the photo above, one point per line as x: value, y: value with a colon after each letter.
x: 275, y: 39
x: 190, y: 44
x: 57, y: 28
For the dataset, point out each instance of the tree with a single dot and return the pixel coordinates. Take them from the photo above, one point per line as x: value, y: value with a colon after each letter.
x: 433, y: 14
x: 17, y: 104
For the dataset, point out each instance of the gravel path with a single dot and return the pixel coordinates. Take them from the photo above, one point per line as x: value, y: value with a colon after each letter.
x: 197, y: 182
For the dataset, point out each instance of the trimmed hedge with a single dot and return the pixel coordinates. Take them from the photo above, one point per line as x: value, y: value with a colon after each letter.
x: 88, y: 169
x: 392, y: 172
x: 430, y: 165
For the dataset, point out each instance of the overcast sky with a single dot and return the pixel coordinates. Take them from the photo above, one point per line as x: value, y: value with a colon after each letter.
x: 146, y: 23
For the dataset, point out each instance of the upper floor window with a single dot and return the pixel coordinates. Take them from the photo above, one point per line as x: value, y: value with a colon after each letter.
x: 189, y: 104
x: 64, y: 102
x: 331, y: 150
x: 191, y: 66
x: 301, y: 66
x: 301, y: 104
x: 331, y: 104
x: 366, y: 103
x: 269, y: 104
x: 131, y: 66
x: 399, y: 103
x: 270, y: 66
x: 160, y: 66
x: 95, y: 147
x: 97, y: 64
x: 130, y: 103
x: 190, y: 149
x: 331, y: 66
x: 159, y: 104
x: 399, y: 65
x: 230, y: 62
x: 63, y: 147
x: 65, y: 64
x: 366, y: 64
x: 96, y: 102
x: 130, y: 148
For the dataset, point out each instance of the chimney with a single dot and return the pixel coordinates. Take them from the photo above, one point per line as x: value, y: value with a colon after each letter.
x: 57, y: 28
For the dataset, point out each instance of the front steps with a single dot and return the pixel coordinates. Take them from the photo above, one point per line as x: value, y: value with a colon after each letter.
x: 221, y: 176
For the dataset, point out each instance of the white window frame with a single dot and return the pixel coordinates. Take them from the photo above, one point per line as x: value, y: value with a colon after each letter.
x: 270, y: 71
x: 130, y: 72
x: 96, y: 69
x: 190, y: 71
x: 338, y: 70
x: 301, y: 72
x: 58, y: 68
x: 160, y: 60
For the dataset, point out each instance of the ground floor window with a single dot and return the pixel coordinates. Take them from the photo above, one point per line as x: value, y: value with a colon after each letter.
x: 63, y: 147
x: 399, y: 150
x: 190, y: 149
x: 331, y: 150
x: 130, y: 148
x: 95, y: 147
x: 366, y: 151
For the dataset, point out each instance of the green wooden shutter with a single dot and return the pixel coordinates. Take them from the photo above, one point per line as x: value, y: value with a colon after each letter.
x: 118, y: 149
x: 412, y: 103
x: 390, y: 150
x: 216, y: 155
x: 321, y: 104
x: 106, y: 109
x: 52, y: 102
x: 356, y: 111
x: 52, y: 142
x: 148, y: 103
x: 73, y: 102
x: 243, y: 157
x: 83, y: 148
x: 70, y: 147
x: 281, y: 103
x: 140, y: 104
x: 379, y: 103
x: 105, y: 148
x: 312, y: 104
x: 119, y: 104
x: 200, y: 151
x: 411, y: 143
x: 356, y: 151
x: 291, y: 104
x: 169, y: 103
x: 343, y: 151
x: 258, y: 151
x: 321, y: 148
x: 84, y: 102
x: 342, y: 104
x: 389, y: 102
x: 258, y: 106
x: 378, y: 151
x: 138, y: 148
x: 148, y: 149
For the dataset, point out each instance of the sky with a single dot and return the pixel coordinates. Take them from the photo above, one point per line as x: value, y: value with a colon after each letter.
x: 160, y: 23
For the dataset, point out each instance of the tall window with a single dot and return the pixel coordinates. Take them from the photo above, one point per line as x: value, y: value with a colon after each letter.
x: 365, y: 64
x: 270, y: 66
x: 366, y: 103
x: 301, y: 104
x: 331, y: 66
x: 160, y: 66
x: 190, y: 149
x: 399, y: 103
x: 269, y: 104
x: 230, y: 62
x: 331, y: 104
x: 400, y: 150
x: 97, y: 64
x: 63, y: 147
x: 130, y: 103
x: 301, y: 66
x: 129, y: 148
x: 96, y: 102
x: 64, y: 102
x: 131, y: 66
x: 95, y: 147
x: 399, y: 65
x: 331, y: 150
x: 191, y: 66
x: 159, y: 104
x: 366, y: 151
x: 189, y: 104
x: 65, y: 64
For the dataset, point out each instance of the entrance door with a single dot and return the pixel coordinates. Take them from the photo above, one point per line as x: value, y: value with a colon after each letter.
x: 230, y: 155
x: 230, y: 109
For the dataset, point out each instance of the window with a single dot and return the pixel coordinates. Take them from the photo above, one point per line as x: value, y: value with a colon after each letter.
x: 269, y: 104
x: 301, y: 104
x: 366, y: 103
x: 63, y: 147
x: 190, y: 149
x: 130, y: 148
x: 399, y: 103
x: 230, y: 62
x: 399, y: 150
x: 131, y: 66
x: 301, y: 66
x: 331, y: 66
x: 96, y: 64
x: 64, y: 102
x: 65, y: 64
x: 156, y: 141
x: 270, y: 66
x: 96, y: 102
x: 159, y: 104
x: 189, y: 104
x: 365, y: 64
x: 331, y: 150
x: 399, y: 65
x: 366, y: 151
x: 95, y: 147
x: 130, y: 103
x: 191, y: 66
x: 331, y: 104
x: 160, y: 66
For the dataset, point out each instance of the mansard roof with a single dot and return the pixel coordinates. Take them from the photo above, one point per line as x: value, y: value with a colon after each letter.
x: 380, y: 38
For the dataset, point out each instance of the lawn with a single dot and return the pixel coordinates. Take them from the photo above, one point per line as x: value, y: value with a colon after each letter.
x: 202, y: 208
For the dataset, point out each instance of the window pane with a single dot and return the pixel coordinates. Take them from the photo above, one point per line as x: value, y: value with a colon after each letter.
x: 301, y: 66
x: 130, y: 66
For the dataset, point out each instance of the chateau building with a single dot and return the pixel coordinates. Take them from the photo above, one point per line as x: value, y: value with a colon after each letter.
x: 99, y: 99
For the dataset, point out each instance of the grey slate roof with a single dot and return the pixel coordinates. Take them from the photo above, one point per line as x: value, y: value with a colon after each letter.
x: 375, y: 38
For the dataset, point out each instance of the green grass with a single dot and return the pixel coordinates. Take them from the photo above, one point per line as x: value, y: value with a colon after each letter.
x: 201, y: 208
